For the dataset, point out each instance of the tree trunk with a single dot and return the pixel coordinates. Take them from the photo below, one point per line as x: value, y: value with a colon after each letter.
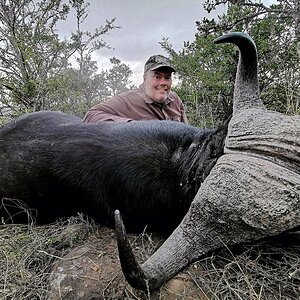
x: 297, y: 25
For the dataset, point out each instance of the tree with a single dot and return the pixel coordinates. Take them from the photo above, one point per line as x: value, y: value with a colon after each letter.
x: 201, y: 80
x: 117, y: 78
x: 207, y: 72
x: 33, y: 57
x: 68, y: 91
x: 29, y: 47
x: 297, y: 25
x: 275, y: 29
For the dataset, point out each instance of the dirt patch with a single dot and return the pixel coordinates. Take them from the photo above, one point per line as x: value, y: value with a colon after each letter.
x: 93, y: 271
x: 89, y: 271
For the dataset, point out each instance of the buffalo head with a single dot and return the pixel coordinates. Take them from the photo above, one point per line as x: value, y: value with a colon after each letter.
x: 252, y: 192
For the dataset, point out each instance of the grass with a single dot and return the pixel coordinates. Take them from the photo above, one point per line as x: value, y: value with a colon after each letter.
x: 252, y: 271
x: 257, y: 271
x: 28, y: 252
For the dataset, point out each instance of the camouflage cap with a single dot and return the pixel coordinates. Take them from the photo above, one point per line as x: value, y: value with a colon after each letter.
x: 158, y: 61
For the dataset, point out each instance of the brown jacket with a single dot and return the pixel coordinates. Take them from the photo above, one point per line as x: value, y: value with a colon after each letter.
x: 136, y: 105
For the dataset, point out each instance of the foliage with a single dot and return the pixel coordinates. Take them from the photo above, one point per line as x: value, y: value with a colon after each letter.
x: 202, y: 83
x: 118, y: 76
x: 207, y: 72
x: 72, y: 93
x: 35, y: 68
x: 30, y: 49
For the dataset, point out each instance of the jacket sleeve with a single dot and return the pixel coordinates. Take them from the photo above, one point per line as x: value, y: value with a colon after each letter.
x: 94, y: 116
x: 106, y: 111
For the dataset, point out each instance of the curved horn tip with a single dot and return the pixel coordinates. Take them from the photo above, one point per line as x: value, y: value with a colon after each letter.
x: 119, y: 224
x: 117, y: 215
x: 130, y: 266
x: 234, y: 37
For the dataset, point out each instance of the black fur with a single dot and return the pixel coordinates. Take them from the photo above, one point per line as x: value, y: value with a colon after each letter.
x: 149, y: 170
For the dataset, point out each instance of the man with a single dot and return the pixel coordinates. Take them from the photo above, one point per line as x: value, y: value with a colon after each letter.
x: 151, y: 100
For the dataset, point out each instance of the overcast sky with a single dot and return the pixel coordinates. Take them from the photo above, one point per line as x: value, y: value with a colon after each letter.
x: 144, y: 24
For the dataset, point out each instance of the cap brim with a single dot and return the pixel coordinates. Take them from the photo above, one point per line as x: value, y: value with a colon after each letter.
x: 162, y: 66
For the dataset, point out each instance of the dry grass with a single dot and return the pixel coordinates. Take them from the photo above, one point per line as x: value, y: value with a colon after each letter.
x: 254, y: 271
x: 27, y: 254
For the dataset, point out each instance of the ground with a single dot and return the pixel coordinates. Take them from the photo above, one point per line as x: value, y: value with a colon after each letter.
x: 76, y: 259
x: 92, y: 271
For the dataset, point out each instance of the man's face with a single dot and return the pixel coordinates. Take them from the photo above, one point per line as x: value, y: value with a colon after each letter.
x: 158, y: 84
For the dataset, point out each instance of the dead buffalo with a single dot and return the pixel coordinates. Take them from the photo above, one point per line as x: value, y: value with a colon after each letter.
x: 58, y: 166
x: 253, y: 191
